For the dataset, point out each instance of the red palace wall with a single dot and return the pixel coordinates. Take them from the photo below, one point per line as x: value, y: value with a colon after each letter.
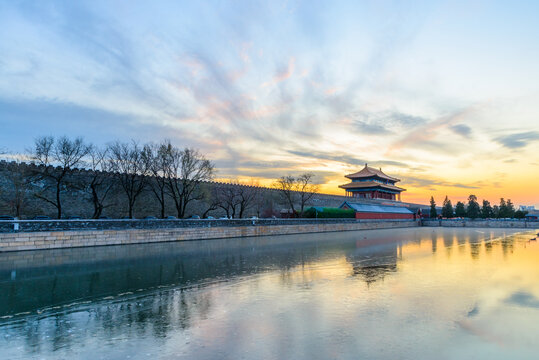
x: 360, y: 215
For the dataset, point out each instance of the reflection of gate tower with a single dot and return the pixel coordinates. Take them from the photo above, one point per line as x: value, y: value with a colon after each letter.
x: 370, y: 183
x: 374, y: 260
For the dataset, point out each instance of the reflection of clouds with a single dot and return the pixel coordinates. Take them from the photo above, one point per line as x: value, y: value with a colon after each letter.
x: 474, y: 311
x: 254, y: 298
x: 481, y: 332
x: 523, y: 299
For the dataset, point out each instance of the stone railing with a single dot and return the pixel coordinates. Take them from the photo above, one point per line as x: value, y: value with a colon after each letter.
x: 13, y: 226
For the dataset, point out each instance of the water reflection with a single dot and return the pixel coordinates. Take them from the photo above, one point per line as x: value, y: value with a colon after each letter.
x: 344, y: 295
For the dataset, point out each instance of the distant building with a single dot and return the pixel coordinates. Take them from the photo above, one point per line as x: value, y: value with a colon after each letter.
x: 379, y: 212
x: 532, y: 215
x: 370, y: 183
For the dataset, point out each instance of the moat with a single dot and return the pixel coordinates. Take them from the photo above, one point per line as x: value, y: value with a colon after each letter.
x: 411, y: 293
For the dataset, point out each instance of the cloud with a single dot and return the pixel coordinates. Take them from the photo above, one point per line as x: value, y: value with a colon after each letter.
x: 346, y: 159
x: 430, y: 182
x: 384, y: 122
x: 283, y: 73
x: 523, y: 299
x: 518, y: 140
x: 461, y: 129
x: 424, y: 136
x: 371, y: 129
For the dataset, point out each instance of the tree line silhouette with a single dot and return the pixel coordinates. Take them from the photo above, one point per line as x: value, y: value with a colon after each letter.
x: 180, y: 176
x: 474, y: 210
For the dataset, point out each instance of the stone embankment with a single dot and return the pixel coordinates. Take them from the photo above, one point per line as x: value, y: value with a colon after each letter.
x: 482, y: 223
x: 66, y: 234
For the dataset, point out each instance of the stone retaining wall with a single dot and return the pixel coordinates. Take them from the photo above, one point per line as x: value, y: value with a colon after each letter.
x: 517, y: 224
x: 81, y: 238
x: 116, y: 224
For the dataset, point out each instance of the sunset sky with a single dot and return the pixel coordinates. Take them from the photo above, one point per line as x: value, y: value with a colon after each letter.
x: 441, y: 94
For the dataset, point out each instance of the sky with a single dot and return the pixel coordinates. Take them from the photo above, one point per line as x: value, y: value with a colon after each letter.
x: 443, y: 95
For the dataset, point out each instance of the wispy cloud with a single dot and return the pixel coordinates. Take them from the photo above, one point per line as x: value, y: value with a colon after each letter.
x: 462, y: 130
x: 385, y: 122
x: 518, y: 140
x: 261, y: 89
x: 431, y: 182
x: 346, y: 159
x: 426, y: 134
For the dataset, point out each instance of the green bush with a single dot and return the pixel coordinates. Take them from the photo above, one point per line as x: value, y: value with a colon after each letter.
x: 328, y: 213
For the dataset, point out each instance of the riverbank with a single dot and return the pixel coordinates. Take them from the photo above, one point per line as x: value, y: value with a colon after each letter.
x: 86, y: 233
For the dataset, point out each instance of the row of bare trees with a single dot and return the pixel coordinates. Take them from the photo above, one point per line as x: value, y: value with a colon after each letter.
x: 171, y: 174
x: 296, y: 191
x: 164, y: 168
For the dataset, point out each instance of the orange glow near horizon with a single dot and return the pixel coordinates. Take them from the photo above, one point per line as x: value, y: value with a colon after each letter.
x: 486, y: 182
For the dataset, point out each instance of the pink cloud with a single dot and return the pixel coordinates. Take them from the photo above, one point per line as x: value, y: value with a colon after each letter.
x: 283, y: 74
x: 430, y: 130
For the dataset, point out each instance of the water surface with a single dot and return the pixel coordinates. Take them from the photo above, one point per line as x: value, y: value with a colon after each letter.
x: 417, y: 293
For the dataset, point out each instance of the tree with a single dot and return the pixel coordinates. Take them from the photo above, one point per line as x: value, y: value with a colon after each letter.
x: 486, y: 210
x: 130, y: 168
x: 473, y: 210
x: 298, y: 190
x: 158, y: 159
x: 210, y: 196
x: 247, y: 195
x: 510, y: 209
x: 227, y: 199
x: 433, y: 212
x: 19, y: 179
x: 447, y: 209
x: 519, y: 214
x: 306, y: 189
x: 496, y: 211
x: 460, y: 210
x: 507, y: 209
x: 286, y: 185
x: 101, y: 182
x: 186, y: 172
x: 67, y: 154
x: 234, y: 198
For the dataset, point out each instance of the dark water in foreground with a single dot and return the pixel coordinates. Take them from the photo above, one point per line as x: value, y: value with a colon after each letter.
x: 418, y: 293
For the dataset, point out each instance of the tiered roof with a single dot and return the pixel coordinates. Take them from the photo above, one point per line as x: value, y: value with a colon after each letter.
x: 370, y: 184
x: 370, y: 172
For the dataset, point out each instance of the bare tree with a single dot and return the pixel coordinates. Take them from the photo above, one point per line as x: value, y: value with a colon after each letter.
x: 306, y: 189
x: 286, y: 187
x: 128, y: 162
x: 20, y: 178
x: 247, y: 195
x: 159, y: 161
x: 227, y: 199
x: 234, y: 198
x: 210, y: 198
x: 298, y: 190
x: 186, y: 171
x: 101, y: 182
x: 67, y: 154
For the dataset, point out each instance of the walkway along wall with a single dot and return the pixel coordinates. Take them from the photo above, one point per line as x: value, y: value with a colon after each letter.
x: 16, y: 241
